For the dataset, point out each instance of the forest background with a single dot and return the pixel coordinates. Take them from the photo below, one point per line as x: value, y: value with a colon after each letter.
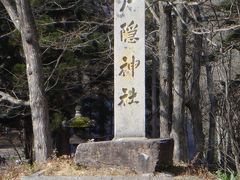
x: 62, y: 57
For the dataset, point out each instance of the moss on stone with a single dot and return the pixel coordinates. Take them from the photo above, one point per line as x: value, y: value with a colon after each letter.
x: 80, y: 122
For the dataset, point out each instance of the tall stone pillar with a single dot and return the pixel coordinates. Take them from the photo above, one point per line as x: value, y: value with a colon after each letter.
x: 129, y: 148
x: 129, y: 69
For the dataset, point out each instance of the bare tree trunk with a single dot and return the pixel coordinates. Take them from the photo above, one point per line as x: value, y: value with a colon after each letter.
x: 229, y: 114
x: 178, y: 132
x: 234, y: 143
x: 38, y: 102
x: 154, y: 124
x: 22, y: 17
x: 155, y: 110
x: 165, y: 72
x: 194, y: 103
x: 212, y: 112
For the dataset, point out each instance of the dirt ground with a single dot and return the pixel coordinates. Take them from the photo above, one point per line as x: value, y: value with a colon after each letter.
x: 11, y: 167
x: 64, y: 166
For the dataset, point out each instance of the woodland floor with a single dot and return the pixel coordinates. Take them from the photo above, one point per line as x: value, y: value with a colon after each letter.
x: 64, y: 166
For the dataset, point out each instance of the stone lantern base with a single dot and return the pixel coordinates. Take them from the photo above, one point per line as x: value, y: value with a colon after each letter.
x: 140, y: 155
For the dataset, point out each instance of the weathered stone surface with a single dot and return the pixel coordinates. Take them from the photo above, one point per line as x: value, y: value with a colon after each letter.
x: 129, y: 69
x: 143, y: 156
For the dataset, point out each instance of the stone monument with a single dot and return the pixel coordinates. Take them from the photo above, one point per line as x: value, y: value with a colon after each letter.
x: 129, y: 68
x: 129, y: 148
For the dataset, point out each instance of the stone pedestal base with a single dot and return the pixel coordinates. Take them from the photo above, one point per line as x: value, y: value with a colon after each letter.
x: 144, y: 156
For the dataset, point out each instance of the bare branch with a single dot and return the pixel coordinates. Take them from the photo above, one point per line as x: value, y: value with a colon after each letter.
x: 7, y: 34
x: 56, y: 65
x: 12, y: 11
x: 9, y: 98
x: 153, y: 12
x: 178, y: 13
x: 63, y: 8
x: 207, y: 31
x: 80, y: 22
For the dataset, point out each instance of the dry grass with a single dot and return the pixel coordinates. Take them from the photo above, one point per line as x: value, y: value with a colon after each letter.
x: 64, y: 166
x: 199, y: 172
x: 181, y: 170
x: 15, y: 172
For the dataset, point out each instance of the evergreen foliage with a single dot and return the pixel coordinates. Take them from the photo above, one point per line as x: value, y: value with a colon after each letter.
x: 76, y: 41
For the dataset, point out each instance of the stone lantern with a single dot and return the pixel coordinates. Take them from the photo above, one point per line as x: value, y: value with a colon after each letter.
x: 80, y: 129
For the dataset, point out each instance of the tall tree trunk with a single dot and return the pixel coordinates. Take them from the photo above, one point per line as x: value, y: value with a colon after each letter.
x: 178, y: 132
x: 154, y: 121
x: 229, y: 113
x: 194, y: 103
x: 38, y: 102
x: 154, y: 124
x: 165, y: 72
x: 21, y: 15
x: 212, y: 111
